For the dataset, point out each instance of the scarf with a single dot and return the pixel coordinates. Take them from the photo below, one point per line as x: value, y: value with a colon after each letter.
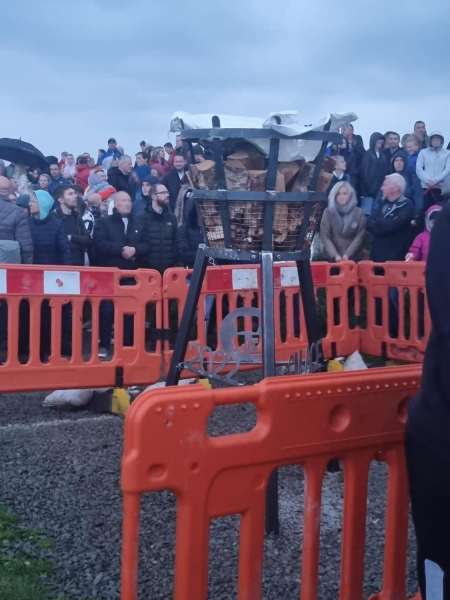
x: 344, y: 213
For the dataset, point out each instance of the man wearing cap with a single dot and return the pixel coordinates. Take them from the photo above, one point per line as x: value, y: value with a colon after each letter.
x: 112, y: 150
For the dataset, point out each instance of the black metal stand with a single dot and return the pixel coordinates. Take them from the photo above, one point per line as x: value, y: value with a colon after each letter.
x: 219, y: 201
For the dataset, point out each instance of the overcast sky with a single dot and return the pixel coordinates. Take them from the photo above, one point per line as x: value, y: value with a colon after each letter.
x: 76, y: 73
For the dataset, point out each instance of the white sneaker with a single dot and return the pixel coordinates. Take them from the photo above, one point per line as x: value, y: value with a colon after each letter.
x: 102, y: 352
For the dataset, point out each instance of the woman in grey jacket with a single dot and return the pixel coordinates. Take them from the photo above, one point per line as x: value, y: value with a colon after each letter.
x: 433, y: 168
x: 342, y: 228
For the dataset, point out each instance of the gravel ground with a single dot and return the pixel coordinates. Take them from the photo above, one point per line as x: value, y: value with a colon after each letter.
x: 60, y: 473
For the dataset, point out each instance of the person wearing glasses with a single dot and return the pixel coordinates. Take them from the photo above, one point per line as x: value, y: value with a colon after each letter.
x: 160, y: 227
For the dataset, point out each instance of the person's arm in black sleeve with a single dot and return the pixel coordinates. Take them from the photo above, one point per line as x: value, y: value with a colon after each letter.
x: 102, y: 245
x: 437, y: 274
x: 65, y: 255
x: 23, y: 236
x: 185, y: 254
x: 390, y: 225
x: 83, y: 239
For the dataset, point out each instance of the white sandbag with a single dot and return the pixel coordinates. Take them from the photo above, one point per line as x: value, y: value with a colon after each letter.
x: 61, y: 398
x: 291, y: 124
x: 355, y: 362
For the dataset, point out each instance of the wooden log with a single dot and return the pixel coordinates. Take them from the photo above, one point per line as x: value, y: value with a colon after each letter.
x: 236, y: 178
x: 280, y: 217
x: 289, y: 170
x: 247, y: 154
x: 206, y: 172
x: 324, y: 181
x: 303, y: 178
x: 257, y: 180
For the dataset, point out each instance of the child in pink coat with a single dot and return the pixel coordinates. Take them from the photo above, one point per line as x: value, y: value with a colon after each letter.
x: 421, y: 243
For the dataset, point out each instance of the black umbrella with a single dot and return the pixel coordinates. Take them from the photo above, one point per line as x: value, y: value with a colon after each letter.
x: 22, y: 153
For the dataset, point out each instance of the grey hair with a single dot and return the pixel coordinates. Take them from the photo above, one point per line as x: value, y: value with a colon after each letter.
x: 45, y: 175
x: 123, y: 158
x: 353, y: 200
x: 398, y: 180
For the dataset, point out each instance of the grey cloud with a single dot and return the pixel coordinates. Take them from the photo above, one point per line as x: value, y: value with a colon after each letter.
x: 82, y: 72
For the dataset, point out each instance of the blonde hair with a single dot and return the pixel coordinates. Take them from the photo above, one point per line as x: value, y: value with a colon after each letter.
x: 352, y: 201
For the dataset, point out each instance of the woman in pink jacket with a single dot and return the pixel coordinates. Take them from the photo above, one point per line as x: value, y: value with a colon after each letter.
x: 421, y: 243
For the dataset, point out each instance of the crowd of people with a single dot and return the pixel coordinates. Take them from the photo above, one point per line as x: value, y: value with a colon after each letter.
x: 119, y: 211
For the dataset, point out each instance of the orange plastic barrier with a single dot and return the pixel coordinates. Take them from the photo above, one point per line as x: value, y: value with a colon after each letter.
x: 387, y: 286
x: 27, y: 292
x: 356, y: 417
x: 239, y: 286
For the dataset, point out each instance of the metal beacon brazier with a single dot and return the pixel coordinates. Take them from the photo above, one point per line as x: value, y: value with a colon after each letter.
x: 241, y: 225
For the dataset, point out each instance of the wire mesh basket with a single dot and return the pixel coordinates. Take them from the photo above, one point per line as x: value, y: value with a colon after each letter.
x: 247, y: 220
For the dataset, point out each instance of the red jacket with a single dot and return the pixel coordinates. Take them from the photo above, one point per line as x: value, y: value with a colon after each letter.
x: 163, y: 166
x: 83, y: 172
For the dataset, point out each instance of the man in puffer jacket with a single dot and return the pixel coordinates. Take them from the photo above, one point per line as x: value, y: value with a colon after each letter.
x: 433, y: 168
x: 14, y: 223
x: 160, y: 229
x: 50, y: 241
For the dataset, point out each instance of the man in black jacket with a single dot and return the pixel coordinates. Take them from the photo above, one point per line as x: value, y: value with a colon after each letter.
x: 427, y: 439
x: 119, y: 241
x: 374, y: 169
x: 160, y: 229
x: 174, y: 179
x: 79, y: 237
x: 391, y: 228
x: 119, y: 176
x: 390, y: 225
x: 14, y: 223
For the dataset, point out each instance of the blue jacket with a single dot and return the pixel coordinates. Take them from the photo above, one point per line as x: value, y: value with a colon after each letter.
x: 50, y: 241
x: 55, y: 182
x: 109, y: 152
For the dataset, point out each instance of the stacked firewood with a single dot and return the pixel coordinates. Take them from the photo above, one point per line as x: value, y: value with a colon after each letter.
x: 245, y: 170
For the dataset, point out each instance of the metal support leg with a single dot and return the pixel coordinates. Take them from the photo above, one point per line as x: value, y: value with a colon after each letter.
x: 268, y: 357
x: 195, y: 287
x: 309, y: 305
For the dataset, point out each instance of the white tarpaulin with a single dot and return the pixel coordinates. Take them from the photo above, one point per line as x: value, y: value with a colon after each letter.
x: 290, y: 126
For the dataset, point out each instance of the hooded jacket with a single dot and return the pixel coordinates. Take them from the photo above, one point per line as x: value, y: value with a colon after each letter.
x: 189, y: 236
x: 421, y: 245
x: 99, y: 186
x: 50, y: 241
x: 141, y: 201
x: 83, y: 172
x: 429, y: 411
x: 14, y: 226
x: 338, y: 238
x: 433, y: 163
x: 373, y: 168
x: 391, y: 229
x: 404, y: 172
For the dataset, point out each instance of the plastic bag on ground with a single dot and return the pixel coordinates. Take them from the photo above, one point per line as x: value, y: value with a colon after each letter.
x: 355, y: 362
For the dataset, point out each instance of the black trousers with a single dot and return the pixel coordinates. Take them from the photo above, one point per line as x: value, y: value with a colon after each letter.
x: 429, y: 481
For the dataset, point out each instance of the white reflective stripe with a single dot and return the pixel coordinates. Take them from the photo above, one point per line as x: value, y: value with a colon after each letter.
x: 3, y: 281
x: 61, y: 282
x: 288, y: 276
x: 434, y: 581
x: 245, y: 279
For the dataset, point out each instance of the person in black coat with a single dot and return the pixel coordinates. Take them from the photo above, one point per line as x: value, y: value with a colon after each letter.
x: 160, y: 229
x: 352, y: 149
x: 50, y: 241
x: 119, y: 241
x: 119, y: 177
x: 79, y: 238
x: 374, y: 169
x: 51, y: 247
x: 390, y: 225
x: 189, y: 236
x: 427, y: 440
x: 174, y: 179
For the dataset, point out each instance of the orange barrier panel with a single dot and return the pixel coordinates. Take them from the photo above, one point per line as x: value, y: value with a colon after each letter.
x: 239, y: 286
x: 41, y: 296
x: 386, y: 286
x: 308, y: 420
